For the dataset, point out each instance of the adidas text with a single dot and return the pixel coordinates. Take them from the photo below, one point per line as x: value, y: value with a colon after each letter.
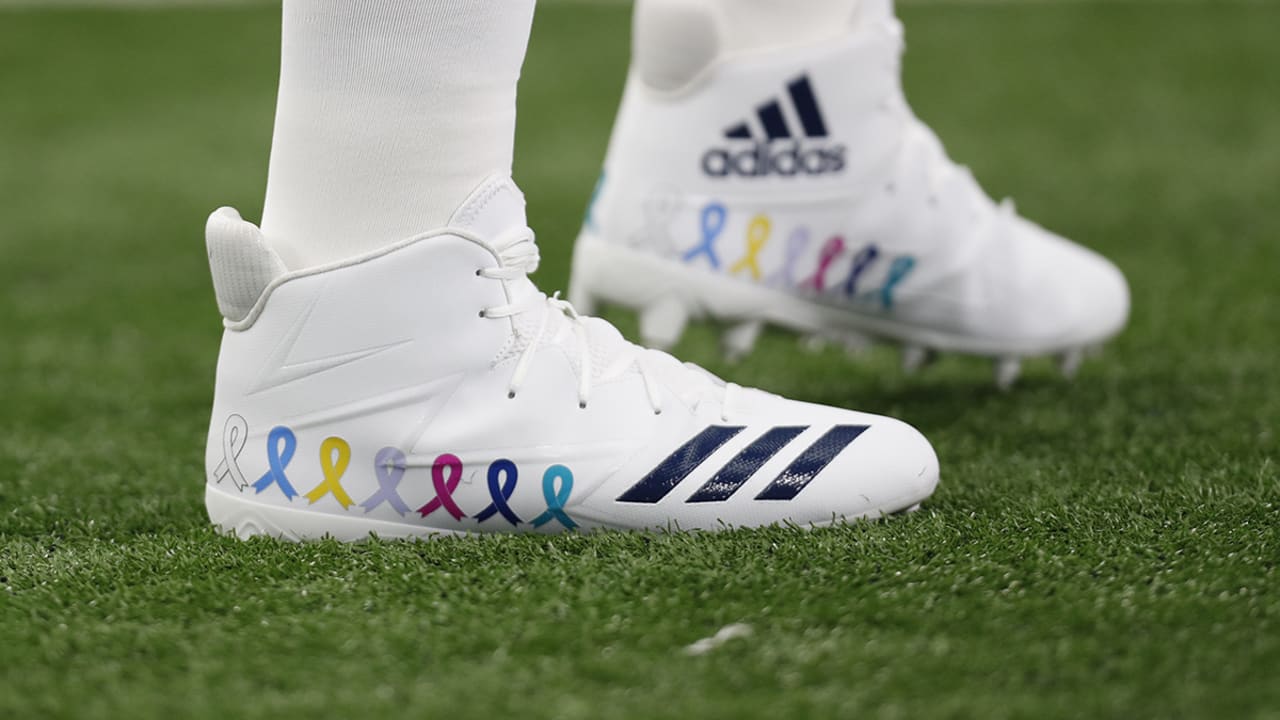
x: 774, y: 158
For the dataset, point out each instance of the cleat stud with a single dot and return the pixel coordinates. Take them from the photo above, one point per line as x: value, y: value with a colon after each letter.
x: 663, y: 323
x: 1007, y: 371
x: 1069, y: 363
x: 740, y: 340
x: 813, y: 343
x: 857, y: 345
x: 916, y: 357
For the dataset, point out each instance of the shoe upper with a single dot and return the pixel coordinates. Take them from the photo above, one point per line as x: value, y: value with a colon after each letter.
x: 432, y: 383
x: 804, y: 171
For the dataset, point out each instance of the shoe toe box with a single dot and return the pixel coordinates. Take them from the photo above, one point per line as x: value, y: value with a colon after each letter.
x: 850, y: 464
x: 1048, y: 294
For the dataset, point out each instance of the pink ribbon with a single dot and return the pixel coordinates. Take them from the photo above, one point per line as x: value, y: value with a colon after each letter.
x: 830, y: 252
x: 445, y: 487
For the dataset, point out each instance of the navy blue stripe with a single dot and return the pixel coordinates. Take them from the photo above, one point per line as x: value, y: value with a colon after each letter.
x: 738, y: 132
x: 775, y: 126
x: 807, y: 107
x: 672, y: 471
x: 811, y: 462
x: 740, y: 469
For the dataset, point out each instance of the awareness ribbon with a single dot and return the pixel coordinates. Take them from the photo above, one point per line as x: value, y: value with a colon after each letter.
x: 589, y: 222
x: 757, y: 236
x: 500, y: 493
x: 388, y: 467
x: 898, y: 271
x: 660, y: 210
x: 444, y: 487
x: 234, y: 435
x: 797, y: 243
x: 861, y: 262
x: 556, y: 497
x: 714, y: 217
x: 830, y: 252
x: 278, y: 459
x: 333, y: 470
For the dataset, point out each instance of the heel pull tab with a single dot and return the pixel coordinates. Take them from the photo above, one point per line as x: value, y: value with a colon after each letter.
x: 240, y: 261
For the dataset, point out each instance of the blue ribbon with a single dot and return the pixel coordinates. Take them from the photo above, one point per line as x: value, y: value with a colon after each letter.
x: 898, y: 272
x: 861, y: 262
x: 714, y: 217
x: 278, y: 459
x: 500, y: 493
x: 556, y: 497
x: 389, y: 469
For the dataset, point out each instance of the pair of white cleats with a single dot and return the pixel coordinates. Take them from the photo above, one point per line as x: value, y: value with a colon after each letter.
x: 430, y: 388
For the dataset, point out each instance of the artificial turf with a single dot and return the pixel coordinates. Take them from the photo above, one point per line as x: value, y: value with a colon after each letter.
x: 1103, y: 547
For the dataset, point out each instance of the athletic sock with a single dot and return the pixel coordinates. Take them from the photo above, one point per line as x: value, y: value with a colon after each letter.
x: 390, y: 113
x: 674, y: 40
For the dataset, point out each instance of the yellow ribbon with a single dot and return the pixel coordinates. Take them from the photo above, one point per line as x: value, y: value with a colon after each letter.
x: 333, y: 471
x: 757, y: 236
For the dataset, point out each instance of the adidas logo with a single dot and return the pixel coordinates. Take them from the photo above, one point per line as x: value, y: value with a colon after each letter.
x: 776, y: 150
x: 674, y: 470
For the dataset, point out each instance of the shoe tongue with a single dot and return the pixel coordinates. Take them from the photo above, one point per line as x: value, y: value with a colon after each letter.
x: 874, y: 10
x: 495, y: 207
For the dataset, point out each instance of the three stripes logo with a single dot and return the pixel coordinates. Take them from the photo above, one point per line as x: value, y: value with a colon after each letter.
x: 772, y: 148
x: 729, y: 479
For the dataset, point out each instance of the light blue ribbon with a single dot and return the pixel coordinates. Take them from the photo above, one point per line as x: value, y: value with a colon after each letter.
x: 589, y: 222
x: 898, y: 271
x: 556, y: 497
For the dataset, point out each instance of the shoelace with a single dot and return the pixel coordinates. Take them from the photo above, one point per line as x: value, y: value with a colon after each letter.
x: 518, y: 256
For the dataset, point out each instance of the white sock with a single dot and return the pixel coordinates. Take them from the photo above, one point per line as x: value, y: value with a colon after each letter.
x: 674, y: 40
x: 390, y: 113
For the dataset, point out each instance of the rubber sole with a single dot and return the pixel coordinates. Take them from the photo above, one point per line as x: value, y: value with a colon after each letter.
x: 243, y: 518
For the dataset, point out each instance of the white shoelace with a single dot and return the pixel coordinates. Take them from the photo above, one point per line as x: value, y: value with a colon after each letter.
x: 518, y: 254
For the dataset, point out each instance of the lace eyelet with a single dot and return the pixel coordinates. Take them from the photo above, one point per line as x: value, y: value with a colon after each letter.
x: 478, y: 271
x: 511, y: 395
x: 657, y: 411
x: 482, y: 314
x: 582, y: 406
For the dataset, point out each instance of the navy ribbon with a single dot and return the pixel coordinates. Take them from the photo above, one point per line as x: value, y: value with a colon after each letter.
x: 714, y: 217
x: 500, y: 493
x: 389, y: 470
x: 556, y: 497
x: 861, y: 262
x: 278, y: 458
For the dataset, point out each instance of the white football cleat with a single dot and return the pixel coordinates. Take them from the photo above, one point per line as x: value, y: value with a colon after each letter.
x: 430, y: 388
x: 795, y: 187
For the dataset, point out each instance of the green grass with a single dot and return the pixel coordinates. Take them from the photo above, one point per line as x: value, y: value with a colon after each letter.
x: 1106, y: 547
